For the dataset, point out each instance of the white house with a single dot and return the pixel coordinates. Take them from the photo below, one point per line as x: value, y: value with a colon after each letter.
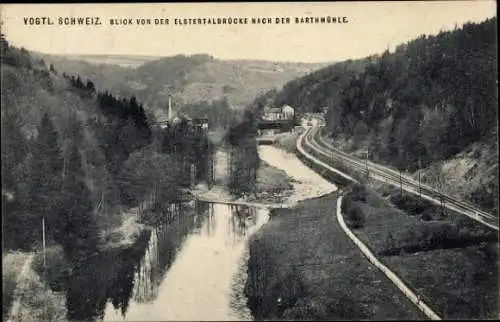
x: 287, y: 111
x: 176, y: 120
x: 272, y: 114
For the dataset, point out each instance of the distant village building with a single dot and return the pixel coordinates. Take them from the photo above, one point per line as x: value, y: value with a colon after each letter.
x: 272, y: 113
x: 201, y: 124
x: 288, y: 112
x: 175, y: 120
x: 285, y: 112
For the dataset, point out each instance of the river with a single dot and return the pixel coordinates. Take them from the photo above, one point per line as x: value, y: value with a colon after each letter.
x: 192, y: 267
x: 197, y: 276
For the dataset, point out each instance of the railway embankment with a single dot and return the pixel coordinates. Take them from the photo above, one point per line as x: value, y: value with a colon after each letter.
x: 450, y: 260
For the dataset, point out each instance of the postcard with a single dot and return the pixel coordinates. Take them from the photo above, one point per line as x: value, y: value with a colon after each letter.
x: 249, y: 161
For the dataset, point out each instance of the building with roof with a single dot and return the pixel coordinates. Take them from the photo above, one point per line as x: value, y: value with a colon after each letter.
x: 288, y: 112
x: 285, y: 112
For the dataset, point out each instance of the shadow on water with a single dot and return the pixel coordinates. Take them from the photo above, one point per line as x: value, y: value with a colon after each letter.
x: 242, y: 219
x: 117, y: 278
x: 164, y: 244
x: 107, y: 276
x: 118, y: 275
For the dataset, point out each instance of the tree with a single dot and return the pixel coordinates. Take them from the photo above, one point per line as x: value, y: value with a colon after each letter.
x: 4, y: 45
x: 77, y: 229
x: 14, y: 150
x: 90, y: 85
x: 79, y: 83
x: 244, y: 158
x: 44, y: 186
x: 14, y: 147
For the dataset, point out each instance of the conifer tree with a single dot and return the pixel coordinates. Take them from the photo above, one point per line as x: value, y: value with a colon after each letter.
x: 45, y: 175
x: 13, y: 147
x: 76, y: 223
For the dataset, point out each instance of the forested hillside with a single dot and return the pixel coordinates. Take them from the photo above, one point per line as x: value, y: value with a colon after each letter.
x: 431, y: 103
x: 313, y: 92
x: 71, y: 153
x: 189, y: 79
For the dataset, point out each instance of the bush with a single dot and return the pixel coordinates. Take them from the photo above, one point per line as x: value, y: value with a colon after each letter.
x: 356, y: 217
x: 358, y: 193
x: 352, y: 206
x: 346, y: 202
x: 438, y: 235
x: 427, y: 216
x: 412, y: 205
x: 57, y: 268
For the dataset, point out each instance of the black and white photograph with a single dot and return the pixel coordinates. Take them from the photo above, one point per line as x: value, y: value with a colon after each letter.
x: 240, y: 161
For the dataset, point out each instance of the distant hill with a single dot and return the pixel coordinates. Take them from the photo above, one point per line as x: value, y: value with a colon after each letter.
x: 189, y: 79
x: 120, y: 60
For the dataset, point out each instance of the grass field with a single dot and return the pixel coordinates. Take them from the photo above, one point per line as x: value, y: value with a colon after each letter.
x: 288, y: 141
x: 273, y: 183
x: 451, y: 261
x: 38, y: 302
x: 303, y: 266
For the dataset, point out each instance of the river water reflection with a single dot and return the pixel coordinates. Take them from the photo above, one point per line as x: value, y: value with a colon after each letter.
x: 193, y: 268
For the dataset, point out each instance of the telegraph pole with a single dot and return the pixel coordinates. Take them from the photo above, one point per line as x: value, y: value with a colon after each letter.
x: 43, y: 241
x: 401, y: 182
x: 44, y: 262
x: 419, y: 180
x: 366, y: 165
x: 442, y: 204
x: 440, y: 195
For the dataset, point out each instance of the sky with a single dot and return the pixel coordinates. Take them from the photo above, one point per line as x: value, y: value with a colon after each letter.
x: 371, y: 28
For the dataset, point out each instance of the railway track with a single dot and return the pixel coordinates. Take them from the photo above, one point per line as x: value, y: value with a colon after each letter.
x: 314, y: 141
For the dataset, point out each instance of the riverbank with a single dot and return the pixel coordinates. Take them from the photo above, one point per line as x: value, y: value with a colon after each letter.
x: 329, y: 278
x: 32, y: 293
x: 288, y: 141
x: 282, y: 181
x: 273, y: 188
x: 127, y: 233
